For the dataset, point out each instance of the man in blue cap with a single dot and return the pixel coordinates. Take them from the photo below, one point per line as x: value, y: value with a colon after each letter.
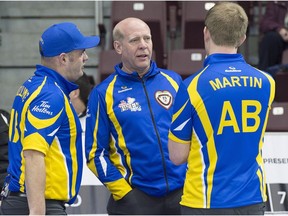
x: 45, y: 149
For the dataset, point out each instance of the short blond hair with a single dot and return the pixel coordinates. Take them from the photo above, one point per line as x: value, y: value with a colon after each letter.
x: 227, y: 23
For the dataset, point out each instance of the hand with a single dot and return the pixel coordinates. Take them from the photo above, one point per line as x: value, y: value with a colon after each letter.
x: 284, y: 34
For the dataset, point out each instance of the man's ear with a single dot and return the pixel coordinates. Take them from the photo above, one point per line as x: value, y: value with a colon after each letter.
x: 206, y: 34
x: 243, y: 38
x: 63, y: 58
x: 117, y: 47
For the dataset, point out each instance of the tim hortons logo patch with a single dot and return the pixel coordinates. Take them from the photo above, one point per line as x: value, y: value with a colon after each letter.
x: 164, y: 98
x: 129, y: 104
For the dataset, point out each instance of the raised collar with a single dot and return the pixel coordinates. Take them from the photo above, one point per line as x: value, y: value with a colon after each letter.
x: 65, y: 85
x: 222, y: 57
x: 152, y: 71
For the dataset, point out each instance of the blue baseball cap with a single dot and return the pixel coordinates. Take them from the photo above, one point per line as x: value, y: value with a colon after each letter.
x: 63, y: 38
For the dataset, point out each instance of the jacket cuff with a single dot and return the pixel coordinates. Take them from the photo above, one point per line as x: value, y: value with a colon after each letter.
x: 118, y: 188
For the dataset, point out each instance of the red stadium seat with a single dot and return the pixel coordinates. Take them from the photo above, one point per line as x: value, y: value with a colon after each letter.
x: 186, y: 61
x: 107, y: 60
x: 193, y: 18
x: 278, y: 117
x: 281, y: 81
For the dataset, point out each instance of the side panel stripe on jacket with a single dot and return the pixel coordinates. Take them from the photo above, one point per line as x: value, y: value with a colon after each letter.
x: 73, y: 150
x: 22, y: 128
x: 212, y: 153
x: 259, y: 159
x: 115, y: 158
x: 92, y: 152
x: 173, y: 83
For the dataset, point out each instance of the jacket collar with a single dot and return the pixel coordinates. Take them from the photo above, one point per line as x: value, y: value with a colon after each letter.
x: 65, y: 85
x: 152, y: 71
x: 221, y: 57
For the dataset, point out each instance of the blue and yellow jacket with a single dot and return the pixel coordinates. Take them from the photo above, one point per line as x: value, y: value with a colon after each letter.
x: 222, y: 111
x: 127, y: 132
x: 43, y: 119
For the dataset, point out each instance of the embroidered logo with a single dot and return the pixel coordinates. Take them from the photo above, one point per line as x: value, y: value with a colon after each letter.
x: 23, y: 93
x: 44, y: 108
x: 232, y: 69
x: 130, y: 104
x: 164, y: 98
x: 124, y: 89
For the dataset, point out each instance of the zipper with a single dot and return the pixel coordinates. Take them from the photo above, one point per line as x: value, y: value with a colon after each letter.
x: 157, y: 133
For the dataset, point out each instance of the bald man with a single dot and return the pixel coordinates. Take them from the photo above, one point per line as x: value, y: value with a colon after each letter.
x: 129, y: 115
